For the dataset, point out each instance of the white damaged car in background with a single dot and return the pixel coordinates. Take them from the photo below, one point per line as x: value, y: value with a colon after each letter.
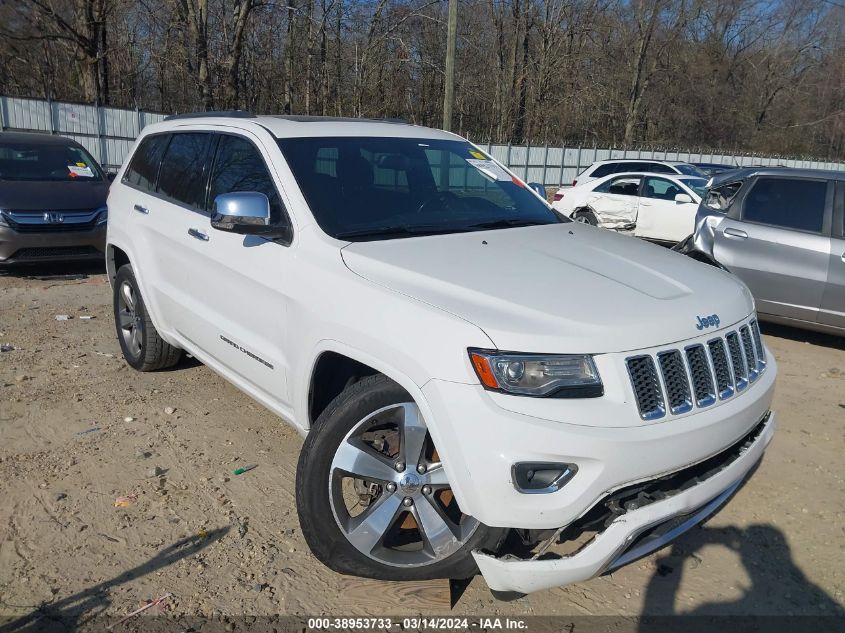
x: 659, y: 207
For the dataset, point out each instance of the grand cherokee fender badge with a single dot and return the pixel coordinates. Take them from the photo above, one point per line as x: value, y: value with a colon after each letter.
x: 707, y: 321
x: 246, y: 351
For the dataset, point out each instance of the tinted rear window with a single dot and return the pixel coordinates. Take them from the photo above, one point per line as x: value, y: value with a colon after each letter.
x: 143, y: 169
x: 604, y: 170
x: 182, y: 177
x: 787, y: 202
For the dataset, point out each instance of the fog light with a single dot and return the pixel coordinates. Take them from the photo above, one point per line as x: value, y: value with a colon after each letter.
x: 541, y: 477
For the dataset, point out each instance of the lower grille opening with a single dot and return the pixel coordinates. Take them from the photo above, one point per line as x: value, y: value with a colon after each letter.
x: 40, y: 252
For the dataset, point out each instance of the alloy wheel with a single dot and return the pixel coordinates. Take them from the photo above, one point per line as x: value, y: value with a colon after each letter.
x: 129, y: 319
x: 389, y: 492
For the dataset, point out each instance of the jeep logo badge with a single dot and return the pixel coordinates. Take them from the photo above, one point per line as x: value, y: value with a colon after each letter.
x: 707, y: 321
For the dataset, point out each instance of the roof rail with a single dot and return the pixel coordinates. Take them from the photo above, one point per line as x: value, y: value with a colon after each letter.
x: 232, y: 114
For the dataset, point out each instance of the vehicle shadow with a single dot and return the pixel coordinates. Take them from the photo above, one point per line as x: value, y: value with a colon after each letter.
x: 77, y: 610
x: 803, y: 336
x: 778, y: 587
x: 48, y: 271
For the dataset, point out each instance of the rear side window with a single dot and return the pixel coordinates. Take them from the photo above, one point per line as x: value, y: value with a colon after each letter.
x: 239, y: 167
x: 182, y: 177
x: 143, y: 169
x: 787, y: 202
x: 622, y: 185
x: 604, y: 170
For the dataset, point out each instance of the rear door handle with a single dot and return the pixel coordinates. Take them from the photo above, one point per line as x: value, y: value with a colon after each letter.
x: 736, y: 233
x: 198, y: 234
x: 141, y: 209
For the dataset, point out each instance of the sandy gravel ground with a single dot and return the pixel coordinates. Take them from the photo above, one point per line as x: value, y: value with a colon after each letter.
x: 230, y: 545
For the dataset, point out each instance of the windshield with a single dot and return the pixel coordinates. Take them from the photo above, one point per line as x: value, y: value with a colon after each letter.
x: 382, y: 187
x: 30, y: 160
x: 698, y: 185
x: 689, y: 170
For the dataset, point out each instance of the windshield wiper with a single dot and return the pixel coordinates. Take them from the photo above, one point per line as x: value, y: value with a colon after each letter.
x: 504, y: 223
x: 398, y: 231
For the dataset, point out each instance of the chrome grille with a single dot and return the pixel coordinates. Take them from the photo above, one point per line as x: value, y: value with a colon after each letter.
x: 702, y: 377
x: 737, y: 361
x: 721, y: 368
x: 677, y: 381
x: 647, y: 389
x: 758, y: 345
x: 748, y: 350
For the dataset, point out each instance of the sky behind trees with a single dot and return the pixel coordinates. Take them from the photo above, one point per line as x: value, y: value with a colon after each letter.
x: 752, y: 75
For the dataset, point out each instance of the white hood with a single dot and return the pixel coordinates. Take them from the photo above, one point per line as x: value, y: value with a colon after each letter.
x: 564, y: 288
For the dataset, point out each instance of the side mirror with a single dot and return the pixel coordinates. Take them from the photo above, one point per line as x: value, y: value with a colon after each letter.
x: 540, y: 189
x: 244, y: 212
x: 682, y: 198
x: 110, y: 175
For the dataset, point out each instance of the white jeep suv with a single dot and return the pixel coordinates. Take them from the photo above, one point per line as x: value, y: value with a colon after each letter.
x: 482, y: 384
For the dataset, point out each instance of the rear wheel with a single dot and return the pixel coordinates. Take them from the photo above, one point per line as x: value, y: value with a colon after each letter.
x: 586, y: 216
x: 373, y: 497
x: 140, y: 342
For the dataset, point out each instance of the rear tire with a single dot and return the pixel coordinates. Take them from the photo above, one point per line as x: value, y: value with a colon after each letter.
x: 139, y: 340
x: 586, y: 216
x: 410, y: 527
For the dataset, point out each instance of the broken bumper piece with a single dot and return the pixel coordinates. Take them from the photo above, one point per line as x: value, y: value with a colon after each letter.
x: 632, y: 535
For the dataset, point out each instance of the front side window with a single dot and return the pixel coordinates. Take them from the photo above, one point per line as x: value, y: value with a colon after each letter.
x: 623, y: 186
x: 31, y: 160
x: 238, y: 166
x: 787, y: 202
x: 182, y: 176
x: 143, y: 169
x: 660, y: 189
x: 659, y: 168
x: 698, y: 185
x: 383, y: 187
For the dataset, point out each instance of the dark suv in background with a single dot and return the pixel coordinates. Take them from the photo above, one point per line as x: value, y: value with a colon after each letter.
x: 52, y: 200
x: 782, y: 231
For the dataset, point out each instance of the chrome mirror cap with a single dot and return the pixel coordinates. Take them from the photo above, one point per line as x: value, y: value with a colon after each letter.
x: 241, y: 211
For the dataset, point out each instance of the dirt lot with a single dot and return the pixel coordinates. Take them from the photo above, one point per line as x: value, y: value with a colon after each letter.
x: 173, y: 438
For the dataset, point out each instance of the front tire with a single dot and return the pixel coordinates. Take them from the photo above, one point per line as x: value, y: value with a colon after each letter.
x: 140, y: 342
x: 372, y: 496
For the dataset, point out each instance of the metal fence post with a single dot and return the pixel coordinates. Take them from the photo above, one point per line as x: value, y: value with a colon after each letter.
x: 3, y: 106
x: 50, y: 110
x: 562, y: 161
x: 545, y: 162
x: 527, y: 160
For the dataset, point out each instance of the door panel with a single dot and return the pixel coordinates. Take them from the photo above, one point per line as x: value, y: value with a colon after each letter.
x: 244, y: 328
x: 781, y: 247
x: 659, y: 216
x: 833, y: 300
x: 615, y: 201
x: 785, y: 270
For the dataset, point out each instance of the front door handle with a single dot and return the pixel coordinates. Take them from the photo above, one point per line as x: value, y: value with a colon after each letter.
x: 141, y: 209
x: 736, y: 233
x: 198, y: 234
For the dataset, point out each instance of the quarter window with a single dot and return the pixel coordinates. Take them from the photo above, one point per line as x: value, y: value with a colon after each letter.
x: 239, y: 167
x: 143, y: 169
x: 623, y: 186
x: 787, y: 202
x: 183, y: 175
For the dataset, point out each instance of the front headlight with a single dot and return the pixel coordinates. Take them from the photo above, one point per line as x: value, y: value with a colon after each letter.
x: 554, y: 376
x: 103, y: 216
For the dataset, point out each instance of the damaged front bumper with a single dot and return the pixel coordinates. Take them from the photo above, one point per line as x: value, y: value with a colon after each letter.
x: 650, y: 516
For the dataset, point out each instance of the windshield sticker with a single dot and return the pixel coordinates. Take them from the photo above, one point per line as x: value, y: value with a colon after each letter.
x: 81, y: 165
x: 76, y: 170
x: 490, y: 169
x: 476, y: 154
